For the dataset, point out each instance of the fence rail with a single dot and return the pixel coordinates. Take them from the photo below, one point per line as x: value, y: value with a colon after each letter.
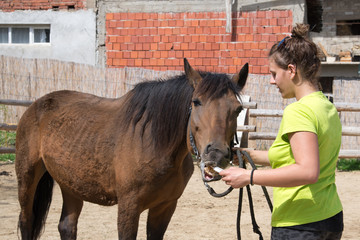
x: 12, y: 102
x: 254, y: 134
x: 251, y: 129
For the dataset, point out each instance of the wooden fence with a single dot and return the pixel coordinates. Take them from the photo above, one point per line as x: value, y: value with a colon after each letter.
x: 28, y: 79
x: 253, y: 134
x: 250, y: 130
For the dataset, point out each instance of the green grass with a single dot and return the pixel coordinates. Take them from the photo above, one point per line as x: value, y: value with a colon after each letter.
x: 7, y: 139
x: 348, y: 164
x: 7, y: 157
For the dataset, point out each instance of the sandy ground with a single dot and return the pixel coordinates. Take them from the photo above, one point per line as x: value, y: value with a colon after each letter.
x: 198, y: 215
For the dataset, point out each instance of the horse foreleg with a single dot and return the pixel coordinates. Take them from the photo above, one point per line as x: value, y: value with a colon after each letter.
x: 69, y: 216
x: 158, y: 220
x: 128, y: 219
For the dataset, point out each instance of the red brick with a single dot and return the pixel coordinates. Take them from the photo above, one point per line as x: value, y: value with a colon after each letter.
x: 142, y: 23
x: 249, y: 37
x: 209, y: 54
x: 277, y: 29
x: 109, y: 62
x: 225, y: 54
x: 119, y: 55
x: 164, y: 54
x: 146, y: 16
x: 146, y: 62
x: 171, y: 54
x: 233, y: 53
x: 214, y: 62
x: 138, y: 62
x: 264, y: 69
x: 116, y: 46
x: 164, y: 39
x: 195, y: 38
x: 192, y: 46
x: 202, y: 38
x: 187, y: 38
x: 260, y: 14
x: 111, y: 55
x: 112, y: 24
x: 202, y: 54
x: 207, y: 46
x: 109, y: 16
x: 146, y: 46
x: 131, y: 62
x: 149, y: 54
x: 179, y: 38
x: 175, y: 31
x: 187, y: 54
x: 248, y: 53
x: 231, y: 45
x: 215, y: 46
x: 232, y: 69
x: 179, y: 54
x: 134, y: 54
x: 223, y: 46
x: 219, y: 23
x: 255, y: 70
x: 263, y: 61
x: 126, y: 54
x: 160, y: 62
x: 172, y: 23
x: 179, y: 23
x: 123, y: 62
x: 123, y: 15
x: 131, y: 46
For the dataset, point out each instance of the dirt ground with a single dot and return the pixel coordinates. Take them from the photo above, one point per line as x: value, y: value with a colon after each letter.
x: 198, y: 215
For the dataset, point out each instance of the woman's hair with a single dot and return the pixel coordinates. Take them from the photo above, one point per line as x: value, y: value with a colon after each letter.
x: 298, y: 50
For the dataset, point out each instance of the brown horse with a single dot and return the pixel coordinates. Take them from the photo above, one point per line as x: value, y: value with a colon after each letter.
x: 133, y: 151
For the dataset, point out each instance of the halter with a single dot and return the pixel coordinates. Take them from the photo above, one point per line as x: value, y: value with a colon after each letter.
x: 202, y: 164
x: 240, y: 155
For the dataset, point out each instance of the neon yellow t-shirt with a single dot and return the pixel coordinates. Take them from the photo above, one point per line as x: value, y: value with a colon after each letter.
x: 313, y: 202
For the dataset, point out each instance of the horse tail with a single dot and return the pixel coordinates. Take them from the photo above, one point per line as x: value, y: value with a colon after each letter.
x: 41, y: 205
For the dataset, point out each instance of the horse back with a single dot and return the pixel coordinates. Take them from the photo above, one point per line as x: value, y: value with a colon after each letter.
x: 75, y: 135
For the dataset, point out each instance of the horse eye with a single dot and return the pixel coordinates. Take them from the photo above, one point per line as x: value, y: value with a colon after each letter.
x: 196, y: 102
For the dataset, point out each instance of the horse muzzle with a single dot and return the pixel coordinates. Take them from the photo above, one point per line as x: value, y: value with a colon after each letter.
x: 211, y: 162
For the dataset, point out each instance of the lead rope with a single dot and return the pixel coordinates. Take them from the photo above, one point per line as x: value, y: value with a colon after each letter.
x: 256, y: 228
x: 242, y: 165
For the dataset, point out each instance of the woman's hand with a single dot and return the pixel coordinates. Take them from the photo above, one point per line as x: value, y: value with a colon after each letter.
x: 236, y: 177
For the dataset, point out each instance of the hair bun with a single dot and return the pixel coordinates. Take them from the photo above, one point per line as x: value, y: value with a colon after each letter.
x: 300, y: 30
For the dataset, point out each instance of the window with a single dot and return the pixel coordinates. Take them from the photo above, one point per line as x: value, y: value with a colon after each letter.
x: 347, y: 27
x: 4, y: 35
x: 41, y: 35
x: 20, y: 35
x: 25, y: 34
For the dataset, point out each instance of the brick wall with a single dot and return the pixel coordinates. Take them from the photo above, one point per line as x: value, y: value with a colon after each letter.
x: 13, y: 5
x: 160, y: 41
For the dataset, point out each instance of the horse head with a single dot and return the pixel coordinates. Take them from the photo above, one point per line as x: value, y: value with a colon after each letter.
x: 213, y: 117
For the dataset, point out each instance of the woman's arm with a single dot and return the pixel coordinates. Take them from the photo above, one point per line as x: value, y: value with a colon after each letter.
x: 259, y: 157
x: 305, y: 170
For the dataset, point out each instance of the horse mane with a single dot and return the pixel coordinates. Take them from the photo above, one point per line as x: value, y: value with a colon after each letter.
x: 216, y: 85
x: 164, y: 106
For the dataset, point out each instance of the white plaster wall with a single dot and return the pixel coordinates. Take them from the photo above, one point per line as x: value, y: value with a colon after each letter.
x: 72, y: 35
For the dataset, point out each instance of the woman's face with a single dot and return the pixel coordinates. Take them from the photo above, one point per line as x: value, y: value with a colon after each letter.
x: 282, y: 79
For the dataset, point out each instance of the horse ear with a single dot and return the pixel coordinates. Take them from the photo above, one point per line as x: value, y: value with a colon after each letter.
x: 193, y: 76
x: 240, y: 79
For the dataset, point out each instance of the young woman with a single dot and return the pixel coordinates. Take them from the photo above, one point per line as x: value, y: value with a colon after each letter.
x: 304, y: 154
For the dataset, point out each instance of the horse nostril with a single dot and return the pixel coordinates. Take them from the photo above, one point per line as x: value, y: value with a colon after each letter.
x: 208, y: 148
